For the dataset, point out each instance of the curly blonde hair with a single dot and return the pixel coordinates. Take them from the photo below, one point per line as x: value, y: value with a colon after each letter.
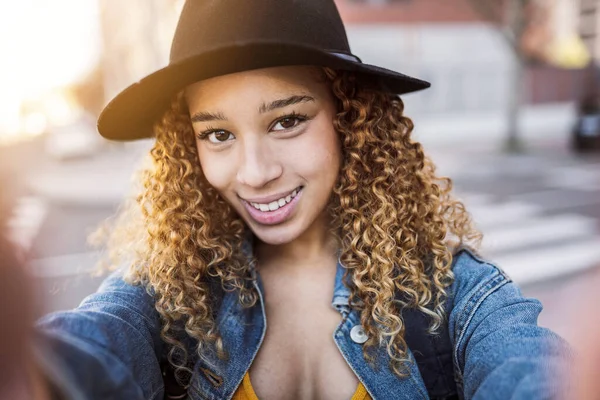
x: 396, y: 222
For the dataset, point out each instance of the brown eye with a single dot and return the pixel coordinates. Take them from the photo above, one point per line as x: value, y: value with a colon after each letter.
x: 216, y: 137
x: 221, y: 136
x: 288, y: 122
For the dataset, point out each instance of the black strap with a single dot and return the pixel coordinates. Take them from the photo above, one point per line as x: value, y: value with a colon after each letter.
x: 433, y: 354
x: 173, y: 390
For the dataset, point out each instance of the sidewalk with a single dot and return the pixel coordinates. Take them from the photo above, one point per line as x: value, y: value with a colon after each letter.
x: 539, y: 123
x: 103, y: 179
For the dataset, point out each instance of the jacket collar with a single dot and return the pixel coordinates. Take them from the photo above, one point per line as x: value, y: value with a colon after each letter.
x: 341, y: 293
x: 243, y: 330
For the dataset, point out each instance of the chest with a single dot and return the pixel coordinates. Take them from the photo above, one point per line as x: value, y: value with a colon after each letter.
x: 299, y: 358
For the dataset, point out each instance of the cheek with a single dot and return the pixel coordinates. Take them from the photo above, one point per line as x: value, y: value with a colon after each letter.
x: 321, y: 153
x: 216, y: 170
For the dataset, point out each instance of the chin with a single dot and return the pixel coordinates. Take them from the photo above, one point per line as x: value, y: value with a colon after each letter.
x: 274, y: 238
x: 274, y: 235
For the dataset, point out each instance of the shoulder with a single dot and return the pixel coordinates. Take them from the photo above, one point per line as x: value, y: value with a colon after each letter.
x: 481, y: 288
x: 117, y: 286
x: 482, y: 291
x: 116, y: 306
x: 497, y: 343
x: 473, y: 273
x: 118, y: 298
x: 117, y: 280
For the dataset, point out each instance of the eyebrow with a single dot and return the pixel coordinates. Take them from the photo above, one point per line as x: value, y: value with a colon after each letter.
x: 296, y: 99
x: 208, y: 116
x: 204, y: 116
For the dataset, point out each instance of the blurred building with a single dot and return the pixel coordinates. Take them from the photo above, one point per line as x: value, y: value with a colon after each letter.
x: 467, y: 60
x: 406, y: 11
x: 589, y: 25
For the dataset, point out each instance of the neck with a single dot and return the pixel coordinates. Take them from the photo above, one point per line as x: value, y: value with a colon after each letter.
x: 316, y: 243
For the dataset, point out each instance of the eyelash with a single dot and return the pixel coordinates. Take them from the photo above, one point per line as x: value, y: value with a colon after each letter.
x: 300, y: 117
x: 204, y: 134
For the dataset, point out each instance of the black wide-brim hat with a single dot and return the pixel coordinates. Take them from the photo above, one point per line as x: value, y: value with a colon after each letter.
x: 219, y: 37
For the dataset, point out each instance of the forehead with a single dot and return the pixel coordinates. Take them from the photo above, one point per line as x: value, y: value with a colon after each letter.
x: 259, y: 83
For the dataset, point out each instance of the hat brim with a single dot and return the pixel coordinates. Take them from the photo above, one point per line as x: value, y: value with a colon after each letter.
x: 131, y: 115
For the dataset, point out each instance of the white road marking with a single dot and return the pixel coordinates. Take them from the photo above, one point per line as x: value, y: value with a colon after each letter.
x: 559, y: 201
x: 541, y: 264
x: 549, y: 229
x: 489, y: 215
x: 584, y: 178
x: 474, y: 199
x: 564, y: 243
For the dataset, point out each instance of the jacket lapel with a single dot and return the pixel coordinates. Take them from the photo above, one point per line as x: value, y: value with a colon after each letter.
x: 380, y: 382
x: 242, y: 331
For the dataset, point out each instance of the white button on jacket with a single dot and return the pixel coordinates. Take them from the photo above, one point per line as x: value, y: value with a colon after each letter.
x: 357, y: 334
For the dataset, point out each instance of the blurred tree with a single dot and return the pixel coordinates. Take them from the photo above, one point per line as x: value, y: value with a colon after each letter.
x: 89, y: 92
x: 136, y: 37
x: 521, y: 31
x: 537, y: 31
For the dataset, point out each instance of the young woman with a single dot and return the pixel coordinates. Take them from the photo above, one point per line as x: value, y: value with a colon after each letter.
x: 290, y: 241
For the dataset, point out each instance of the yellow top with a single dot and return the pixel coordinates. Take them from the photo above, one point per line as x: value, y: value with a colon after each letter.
x: 246, y: 392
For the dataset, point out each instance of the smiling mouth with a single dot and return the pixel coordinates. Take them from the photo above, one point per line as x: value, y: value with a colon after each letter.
x: 276, y: 204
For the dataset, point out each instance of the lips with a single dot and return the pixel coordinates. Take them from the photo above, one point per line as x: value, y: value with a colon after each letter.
x: 277, y: 211
x: 268, y: 199
x: 276, y: 204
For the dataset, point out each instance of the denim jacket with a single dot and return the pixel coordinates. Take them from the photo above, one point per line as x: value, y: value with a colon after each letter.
x: 110, y: 346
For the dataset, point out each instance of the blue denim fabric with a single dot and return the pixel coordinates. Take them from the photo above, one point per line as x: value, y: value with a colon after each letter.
x: 110, y: 346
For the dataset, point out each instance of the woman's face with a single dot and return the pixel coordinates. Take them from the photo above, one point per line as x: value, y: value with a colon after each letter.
x: 267, y: 144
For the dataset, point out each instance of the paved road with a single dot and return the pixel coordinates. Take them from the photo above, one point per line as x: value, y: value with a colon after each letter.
x: 56, y: 237
x: 540, y: 215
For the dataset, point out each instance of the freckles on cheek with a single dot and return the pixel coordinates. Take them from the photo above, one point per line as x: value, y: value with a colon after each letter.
x: 214, y: 172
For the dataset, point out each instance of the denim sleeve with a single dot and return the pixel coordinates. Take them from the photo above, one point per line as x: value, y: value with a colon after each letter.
x: 107, y: 348
x: 500, y: 352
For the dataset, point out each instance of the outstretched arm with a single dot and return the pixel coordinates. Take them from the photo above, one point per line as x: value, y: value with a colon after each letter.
x: 500, y: 352
x: 109, y: 347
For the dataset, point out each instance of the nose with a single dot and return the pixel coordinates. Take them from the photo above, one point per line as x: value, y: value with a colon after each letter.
x: 259, y: 164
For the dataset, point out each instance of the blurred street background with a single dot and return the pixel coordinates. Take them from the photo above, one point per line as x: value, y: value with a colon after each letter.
x: 512, y: 117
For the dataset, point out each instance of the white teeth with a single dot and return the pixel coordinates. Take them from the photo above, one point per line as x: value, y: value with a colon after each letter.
x: 275, y: 205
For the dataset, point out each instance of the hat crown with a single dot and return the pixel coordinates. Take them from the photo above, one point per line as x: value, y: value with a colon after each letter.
x: 207, y: 24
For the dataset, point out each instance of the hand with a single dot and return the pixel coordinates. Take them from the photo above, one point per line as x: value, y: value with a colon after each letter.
x: 19, y: 379
x: 584, y: 336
